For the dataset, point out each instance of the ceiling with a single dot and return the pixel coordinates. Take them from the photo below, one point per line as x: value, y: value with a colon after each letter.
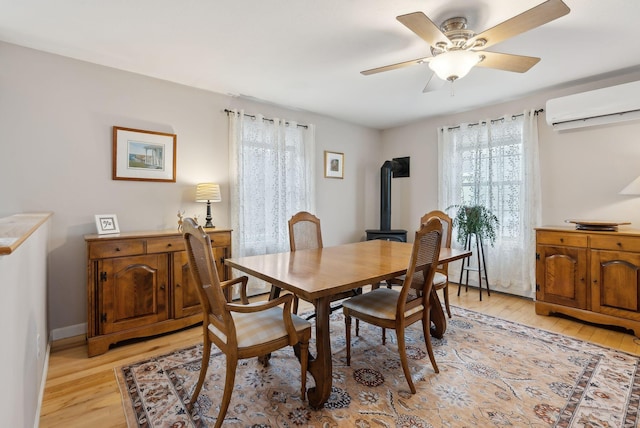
x: 308, y: 54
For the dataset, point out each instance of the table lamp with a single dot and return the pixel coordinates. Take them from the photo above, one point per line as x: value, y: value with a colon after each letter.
x: 208, y: 192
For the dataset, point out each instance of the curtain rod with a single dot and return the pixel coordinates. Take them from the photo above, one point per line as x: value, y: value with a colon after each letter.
x: 265, y: 118
x: 513, y: 116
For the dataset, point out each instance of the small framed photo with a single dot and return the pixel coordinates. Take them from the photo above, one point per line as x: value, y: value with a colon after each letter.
x: 333, y: 164
x: 107, y: 223
x: 143, y: 155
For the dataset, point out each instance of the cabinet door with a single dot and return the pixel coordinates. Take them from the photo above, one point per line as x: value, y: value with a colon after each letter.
x: 615, y: 289
x: 186, y: 299
x: 133, y: 292
x: 561, y: 275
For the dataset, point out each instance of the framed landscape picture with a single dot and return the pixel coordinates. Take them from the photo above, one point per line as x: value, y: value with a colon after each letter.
x: 333, y: 164
x: 143, y: 155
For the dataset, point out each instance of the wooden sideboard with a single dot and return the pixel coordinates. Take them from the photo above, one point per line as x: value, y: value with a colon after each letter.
x: 589, y: 275
x: 139, y: 284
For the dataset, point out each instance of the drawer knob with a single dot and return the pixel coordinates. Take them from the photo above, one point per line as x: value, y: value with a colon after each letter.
x: 619, y: 244
x: 561, y: 239
x: 168, y: 245
x: 117, y: 248
x: 162, y: 287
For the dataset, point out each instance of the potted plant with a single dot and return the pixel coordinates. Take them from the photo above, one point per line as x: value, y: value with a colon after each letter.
x: 475, y: 219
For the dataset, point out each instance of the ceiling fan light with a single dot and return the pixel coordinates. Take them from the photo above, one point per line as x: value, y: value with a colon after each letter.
x: 453, y: 65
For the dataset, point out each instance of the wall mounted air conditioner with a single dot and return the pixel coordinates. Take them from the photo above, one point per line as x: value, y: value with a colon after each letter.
x: 602, y: 106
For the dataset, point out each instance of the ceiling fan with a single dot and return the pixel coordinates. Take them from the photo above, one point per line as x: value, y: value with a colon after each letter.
x: 456, y: 50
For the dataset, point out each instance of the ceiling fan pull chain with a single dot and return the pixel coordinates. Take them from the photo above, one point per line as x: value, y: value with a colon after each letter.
x: 453, y: 93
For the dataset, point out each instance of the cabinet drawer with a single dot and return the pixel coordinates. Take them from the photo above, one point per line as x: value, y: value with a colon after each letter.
x: 129, y: 247
x: 568, y: 239
x: 163, y: 245
x: 220, y: 239
x: 618, y: 243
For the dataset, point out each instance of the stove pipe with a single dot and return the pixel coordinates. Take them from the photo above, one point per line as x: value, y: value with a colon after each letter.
x: 385, y: 195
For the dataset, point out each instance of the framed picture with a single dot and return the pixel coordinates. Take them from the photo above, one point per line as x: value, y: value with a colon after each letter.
x: 107, y: 223
x: 333, y: 164
x: 143, y: 155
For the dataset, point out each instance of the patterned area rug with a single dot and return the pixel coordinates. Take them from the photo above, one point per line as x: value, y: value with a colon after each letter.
x: 492, y: 373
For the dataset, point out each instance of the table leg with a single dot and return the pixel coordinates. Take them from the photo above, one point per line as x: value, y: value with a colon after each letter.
x: 275, y: 292
x: 320, y: 367
x: 437, y: 316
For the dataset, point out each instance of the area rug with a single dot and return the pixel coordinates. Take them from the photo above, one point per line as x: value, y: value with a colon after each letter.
x: 492, y: 373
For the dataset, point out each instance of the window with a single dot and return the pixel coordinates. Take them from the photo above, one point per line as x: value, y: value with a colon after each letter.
x: 494, y: 164
x: 272, y: 177
x: 491, y: 171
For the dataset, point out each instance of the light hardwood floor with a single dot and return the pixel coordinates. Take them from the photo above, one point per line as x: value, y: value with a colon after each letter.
x: 82, y: 392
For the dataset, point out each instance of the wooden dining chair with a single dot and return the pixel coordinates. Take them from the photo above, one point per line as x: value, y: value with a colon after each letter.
x: 393, y: 309
x: 441, y: 277
x: 305, y: 233
x: 239, y: 330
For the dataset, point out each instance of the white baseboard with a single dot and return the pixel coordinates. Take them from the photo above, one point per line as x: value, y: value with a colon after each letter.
x: 69, y: 331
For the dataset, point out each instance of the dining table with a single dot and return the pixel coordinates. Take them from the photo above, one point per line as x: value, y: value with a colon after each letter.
x: 316, y: 275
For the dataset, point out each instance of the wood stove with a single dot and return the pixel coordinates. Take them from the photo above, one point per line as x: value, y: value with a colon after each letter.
x: 385, y: 232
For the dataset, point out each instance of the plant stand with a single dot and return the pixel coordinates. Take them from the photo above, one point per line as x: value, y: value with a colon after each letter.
x: 482, y: 266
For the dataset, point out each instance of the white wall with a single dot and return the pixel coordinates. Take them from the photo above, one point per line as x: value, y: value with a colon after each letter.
x: 582, y: 170
x: 56, y: 116
x: 23, y: 327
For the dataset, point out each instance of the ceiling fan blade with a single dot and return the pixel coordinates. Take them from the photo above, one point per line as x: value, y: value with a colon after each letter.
x: 395, y: 66
x: 507, y: 62
x: 433, y: 84
x: 528, y: 20
x: 420, y: 24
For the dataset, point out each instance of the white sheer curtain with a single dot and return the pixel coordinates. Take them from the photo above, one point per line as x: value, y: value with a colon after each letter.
x: 495, y: 164
x: 272, y: 170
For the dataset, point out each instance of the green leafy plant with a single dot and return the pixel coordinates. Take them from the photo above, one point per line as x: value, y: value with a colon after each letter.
x: 474, y: 219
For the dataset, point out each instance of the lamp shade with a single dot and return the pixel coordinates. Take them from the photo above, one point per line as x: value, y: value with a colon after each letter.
x: 208, y: 192
x: 453, y: 65
x: 632, y: 188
